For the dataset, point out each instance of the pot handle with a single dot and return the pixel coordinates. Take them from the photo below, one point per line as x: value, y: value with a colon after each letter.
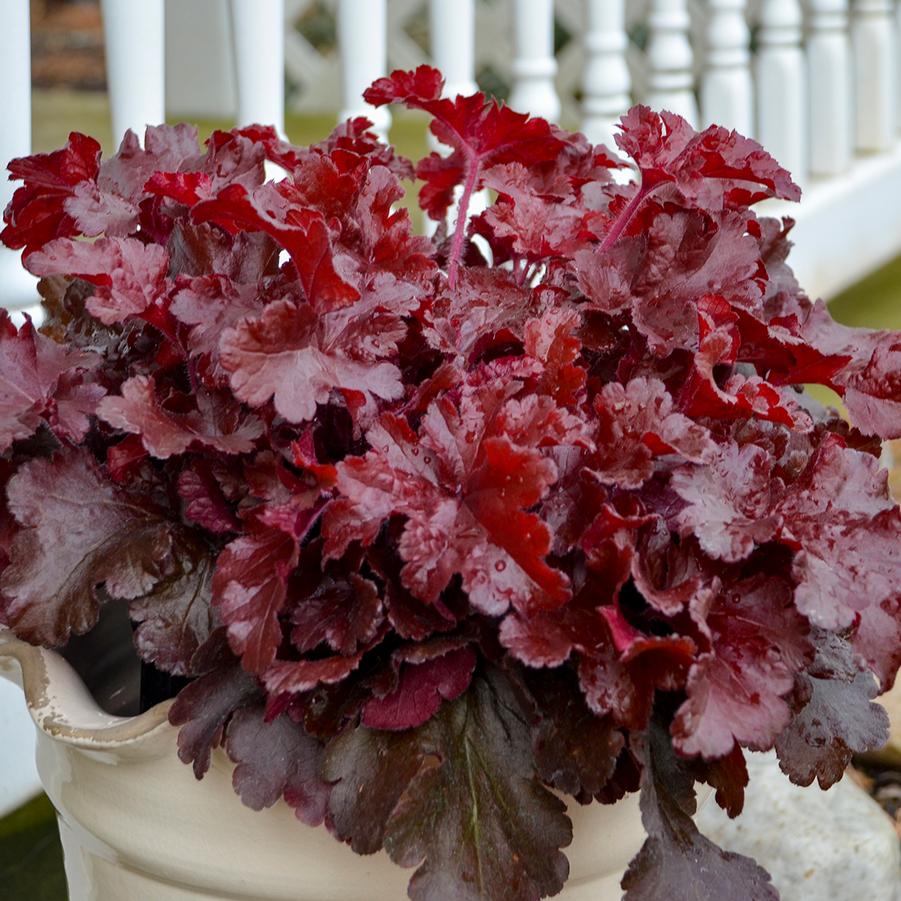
x: 11, y: 667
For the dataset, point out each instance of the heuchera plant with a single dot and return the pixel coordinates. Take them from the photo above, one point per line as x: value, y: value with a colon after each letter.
x: 443, y: 529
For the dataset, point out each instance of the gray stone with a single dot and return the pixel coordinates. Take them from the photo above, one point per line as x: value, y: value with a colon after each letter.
x: 837, y: 845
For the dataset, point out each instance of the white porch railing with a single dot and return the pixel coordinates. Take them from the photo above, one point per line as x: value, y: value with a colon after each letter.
x: 817, y: 82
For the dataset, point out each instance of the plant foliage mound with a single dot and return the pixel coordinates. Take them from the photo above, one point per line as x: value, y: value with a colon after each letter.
x: 441, y: 530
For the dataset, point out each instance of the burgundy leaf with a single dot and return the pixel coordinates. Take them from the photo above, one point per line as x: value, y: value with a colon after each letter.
x: 421, y: 690
x: 284, y: 677
x: 497, y: 547
x: 731, y: 505
x: 622, y: 681
x: 203, y: 710
x: 217, y: 422
x: 276, y: 210
x: 176, y: 618
x: 129, y: 275
x: 210, y: 304
x: 389, y: 783
x: 729, y: 776
x: 204, y: 500
x: 284, y: 356
x: 79, y: 533
x: 249, y: 589
x: 636, y: 423
x: 676, y: 861
x: 276, y: 760
x: 849, y: 560
x: 575, y: 750
x: 550, y: 339
x: 737, y: 690
x: 836, y: 720
x: 39, y: 381
x: 341, y: 609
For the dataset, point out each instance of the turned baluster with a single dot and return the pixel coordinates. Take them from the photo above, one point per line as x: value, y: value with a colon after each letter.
x: 17, y: 287
x: 452, y: 24
x: 363, y: 43
x: 453, y: 28
x: 726, y: 85
x: 135, y: 64
x: 606, y: 79
x: 781, y: 82
x: 873, y: 36
x: 258, y: 38
x: 534, y: 64
x: 670, y: 59
x: 829, y: 78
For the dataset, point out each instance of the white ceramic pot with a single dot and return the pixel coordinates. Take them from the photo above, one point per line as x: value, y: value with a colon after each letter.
x: 137, y: 826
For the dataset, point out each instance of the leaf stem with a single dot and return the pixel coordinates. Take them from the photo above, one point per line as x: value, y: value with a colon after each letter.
x: 460, y: 227
x: 625, y: 217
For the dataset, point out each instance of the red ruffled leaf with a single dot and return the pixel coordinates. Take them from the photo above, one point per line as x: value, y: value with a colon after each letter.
x: 249, y: 590
x: 731, y: 504
x: 37, y: 213
x: 283, y: 355
x: 715, y: 168
x: 302, y: 232
x: 737, y: 690
x: 848, y: 567
x: 484, y: 534
x: 130, y: 276
x: 205, y: 503
x: 637, y: 422
x: 217, y: 422
x: 41, y: 381
x: 421, y: 691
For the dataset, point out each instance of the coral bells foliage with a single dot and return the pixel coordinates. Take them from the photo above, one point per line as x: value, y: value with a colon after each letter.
x: 442, y: 530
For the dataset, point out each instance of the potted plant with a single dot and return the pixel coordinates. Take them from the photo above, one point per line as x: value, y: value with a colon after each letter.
x: 451, y: 544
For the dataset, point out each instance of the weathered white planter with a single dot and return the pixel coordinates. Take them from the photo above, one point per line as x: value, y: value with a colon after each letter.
x: 136, y: 825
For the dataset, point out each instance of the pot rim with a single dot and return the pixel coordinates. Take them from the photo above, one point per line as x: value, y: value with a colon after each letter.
x: 61, y: 705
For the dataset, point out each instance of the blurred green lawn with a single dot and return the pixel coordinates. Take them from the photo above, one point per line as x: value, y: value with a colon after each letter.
x: 31, y: 860
x: 30, y: 856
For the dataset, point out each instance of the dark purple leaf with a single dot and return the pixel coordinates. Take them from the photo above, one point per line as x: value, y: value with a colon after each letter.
x: 676, y: 861
x: 388, y: 784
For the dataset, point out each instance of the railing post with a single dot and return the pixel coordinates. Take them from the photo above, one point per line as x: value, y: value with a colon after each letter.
x: 606, y: 80
x: 135, y: 64
x: 17, y: 287
x: 726, y: 86
x: 534, y: 63
x: 363, y: 44
x: 781, y: 85
x: 18, y: 776
x: 453, y: 34
x: 258, y: 39
x: 670, y: 59
x: 875, y: 73
x: 898, y: 60
x: 829, y: 78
